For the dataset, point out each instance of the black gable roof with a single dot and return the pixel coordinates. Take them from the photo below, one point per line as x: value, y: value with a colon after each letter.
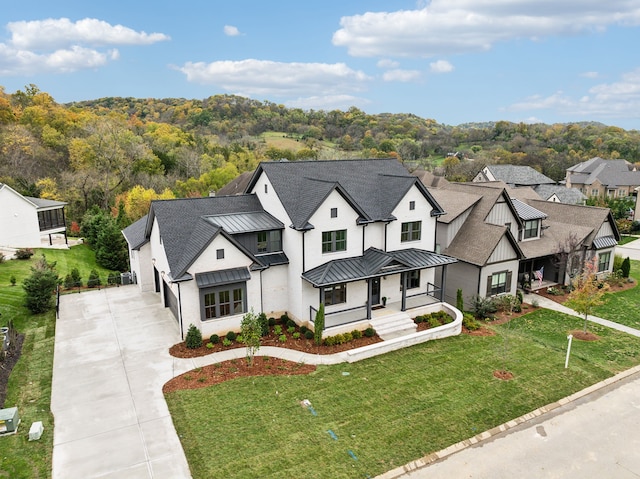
x: 374, y: 187
x: 182, y: 230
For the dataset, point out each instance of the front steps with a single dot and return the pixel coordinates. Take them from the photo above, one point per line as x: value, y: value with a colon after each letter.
x: 393, y: 325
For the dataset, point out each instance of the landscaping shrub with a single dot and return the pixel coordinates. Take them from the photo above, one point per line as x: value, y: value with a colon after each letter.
x: 284, y: 318
x: 308, y: 334
x: 240, y: 338
x: 94, y: 279
x: 24, y: 253
x: 318, y: 326
x: 434, y: 322
x: 231, y: 336
x: 40, y: 285
x: 282, y: 338
x: 291, y: 329
x: 626, y: 267
x: 303, y: 329
x: 347, y: 337
x: 484, y: 308
x: 356, y: 333
x: 214, y: 339
x: 73, y: 279
x: 194, y: 338
x: 226, y: 342
x: 296, y: 335
x: 369, y: 332
x: 12, y: 280
x: 209, y: 345
x: 418, y: 319
x: 290, y: 323
x: 470, y: 322
x: 277, y: 330
x: 272, y: 322
x: 459, y: 300
x: 519, y: 296
x: 617, y: 262
x: 264, y: 324
x: 330, y: 341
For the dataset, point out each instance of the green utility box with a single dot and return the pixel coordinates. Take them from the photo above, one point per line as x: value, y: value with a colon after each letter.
x: 9, y: 420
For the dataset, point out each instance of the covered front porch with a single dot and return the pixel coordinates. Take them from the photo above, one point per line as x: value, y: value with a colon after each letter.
x: 382, y: 282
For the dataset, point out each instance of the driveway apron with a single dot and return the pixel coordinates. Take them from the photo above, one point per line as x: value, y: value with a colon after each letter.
x: 110, y: 361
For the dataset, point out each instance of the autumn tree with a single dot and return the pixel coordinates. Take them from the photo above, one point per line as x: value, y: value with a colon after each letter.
x: 587, y: 291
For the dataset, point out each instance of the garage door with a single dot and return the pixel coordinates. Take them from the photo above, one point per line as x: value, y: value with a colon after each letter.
x: 170, y: 300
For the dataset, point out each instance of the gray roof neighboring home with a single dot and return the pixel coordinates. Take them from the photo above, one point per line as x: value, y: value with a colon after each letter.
x: 237, y: 185
x: 372, y: 187
x: 570, y: 196
x: 516, y: 175
x: 430, y: 180
x: 186, y: 228
x: 610, y: 173
x: 44, y: 204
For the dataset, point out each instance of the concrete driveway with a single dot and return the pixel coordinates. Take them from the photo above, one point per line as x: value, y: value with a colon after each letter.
x: 110, y: 362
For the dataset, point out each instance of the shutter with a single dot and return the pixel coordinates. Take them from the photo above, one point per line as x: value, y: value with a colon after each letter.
x: 508, y: 285
x: 489, y: 285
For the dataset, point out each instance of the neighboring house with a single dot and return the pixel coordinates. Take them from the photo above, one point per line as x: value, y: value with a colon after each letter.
x: 237, y: 185
x: 516, y: 176
x: 505, y: 238
x: 513, y: 176
x: 600, y: 177
x: 352, y: 234
x: 24, y: 220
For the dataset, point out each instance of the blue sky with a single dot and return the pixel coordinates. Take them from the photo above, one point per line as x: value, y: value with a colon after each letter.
x: 455, y: 61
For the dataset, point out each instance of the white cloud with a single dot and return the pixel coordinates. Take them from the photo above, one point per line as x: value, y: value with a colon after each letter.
x: 620, y: 99
x: 445, y: 27
x: 55, y: 33
x: 441, y: 66
x: 260, y: 77
x: 231, y: 31
x: 386, y: 63
x: 590, y: 75
x: 328, y: 103
x: 401, y: 75
x: 61, y: 46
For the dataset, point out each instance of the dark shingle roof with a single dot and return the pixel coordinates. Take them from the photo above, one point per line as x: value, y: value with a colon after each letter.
x: 44, y: 204
x: 237, y: 185
x: 134, y: 233
x: 184, y: 229
x: 373, y: 187
x: 610, y: 173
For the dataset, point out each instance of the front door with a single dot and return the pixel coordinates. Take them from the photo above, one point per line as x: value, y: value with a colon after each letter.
x: 375, y: 291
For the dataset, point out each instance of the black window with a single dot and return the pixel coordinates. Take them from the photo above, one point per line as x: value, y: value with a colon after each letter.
x: 334, y: 241
x: 603, y: 261
x: 226, y: 300
x: 411, y: 231
x: 413, y: 279
x: 268, y: 241
x: 335, y: 294
x: 412, y: 205
x: 499, y: 283
x: 263, y: 241
x: 531, y: 228
x: 220, y: 254
x: 334, y: 212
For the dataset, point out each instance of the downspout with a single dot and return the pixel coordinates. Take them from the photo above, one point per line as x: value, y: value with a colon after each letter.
x: 180, y: 311
x: 261, y: 292
x: 303, y: 252
x: 364, y: 228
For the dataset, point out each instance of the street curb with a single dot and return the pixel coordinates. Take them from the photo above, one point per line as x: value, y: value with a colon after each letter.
x: 484, y: 436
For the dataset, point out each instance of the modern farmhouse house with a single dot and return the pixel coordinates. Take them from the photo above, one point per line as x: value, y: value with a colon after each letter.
x: 356, y: 235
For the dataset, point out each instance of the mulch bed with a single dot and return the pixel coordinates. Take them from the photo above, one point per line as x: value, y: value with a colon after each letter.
x: 561, y: 298
x: 7, y: 366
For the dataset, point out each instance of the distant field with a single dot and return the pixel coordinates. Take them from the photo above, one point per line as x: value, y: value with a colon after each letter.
x: 284, y: 141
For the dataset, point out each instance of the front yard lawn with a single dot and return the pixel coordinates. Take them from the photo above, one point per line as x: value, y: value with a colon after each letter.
x: 389, y: 410
x: 623, y: 307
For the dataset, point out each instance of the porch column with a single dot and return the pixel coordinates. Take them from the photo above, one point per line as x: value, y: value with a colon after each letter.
x: 403, y: 303
x: 369, y: 290
x: 443, y: 282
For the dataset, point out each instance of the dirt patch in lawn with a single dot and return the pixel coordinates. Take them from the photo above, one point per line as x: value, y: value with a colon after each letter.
x: 7, y: 365
x: 584, y: 336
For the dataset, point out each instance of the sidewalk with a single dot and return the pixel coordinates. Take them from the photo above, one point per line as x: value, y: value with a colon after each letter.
x: 549, y: 304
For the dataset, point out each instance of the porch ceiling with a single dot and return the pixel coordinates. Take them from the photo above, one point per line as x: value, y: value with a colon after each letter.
x: 374, y: 263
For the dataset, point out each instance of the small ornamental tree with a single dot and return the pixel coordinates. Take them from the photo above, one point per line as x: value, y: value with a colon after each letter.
x: 587, y: 291
x: 194, y: 338
x: 318, y: 325
x: 251, y: 332
x: 459, y: 300
x: 626, y: 267
x: 94, y: 279
x: 40, y: 286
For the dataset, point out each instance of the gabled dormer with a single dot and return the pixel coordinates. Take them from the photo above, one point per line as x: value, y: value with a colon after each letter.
x: 531, y: 221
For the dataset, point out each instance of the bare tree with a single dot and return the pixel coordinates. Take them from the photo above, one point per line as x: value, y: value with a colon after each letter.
x: 569, y: 257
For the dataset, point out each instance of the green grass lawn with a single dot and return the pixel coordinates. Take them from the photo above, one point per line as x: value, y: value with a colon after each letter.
x: 626, y: 239
x: 623, y: 307
x: 391, y: 409
x: 30, y: 382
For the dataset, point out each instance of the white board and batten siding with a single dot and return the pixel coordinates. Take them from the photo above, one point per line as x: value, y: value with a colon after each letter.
x: 501, y: 215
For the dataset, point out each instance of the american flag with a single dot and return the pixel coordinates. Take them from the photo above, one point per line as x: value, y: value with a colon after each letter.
x: 539, y: 274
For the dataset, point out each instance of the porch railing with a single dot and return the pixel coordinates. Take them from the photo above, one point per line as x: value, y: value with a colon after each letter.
x: 338, y: 318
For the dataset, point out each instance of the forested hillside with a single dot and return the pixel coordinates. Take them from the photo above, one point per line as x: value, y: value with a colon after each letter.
x: 119, y: 153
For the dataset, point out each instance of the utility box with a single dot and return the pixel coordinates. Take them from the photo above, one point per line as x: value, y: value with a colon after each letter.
x: 9, y: 420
